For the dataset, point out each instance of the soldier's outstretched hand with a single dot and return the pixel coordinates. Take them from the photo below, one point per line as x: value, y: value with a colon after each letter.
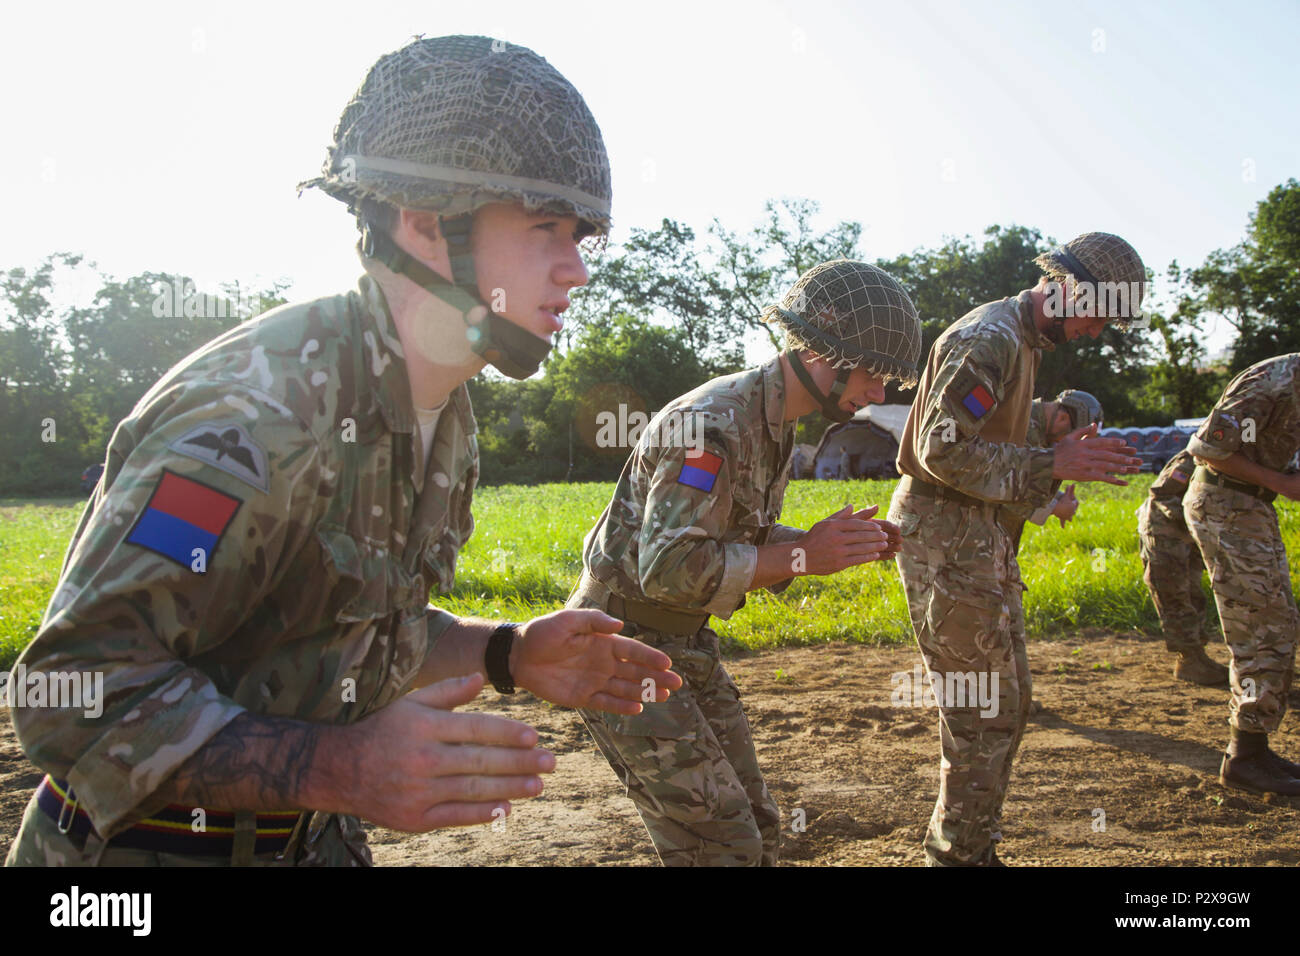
x: 576, y: 658
x: 416, y: 766
x: 847, y: 538
x: 1083, y: 456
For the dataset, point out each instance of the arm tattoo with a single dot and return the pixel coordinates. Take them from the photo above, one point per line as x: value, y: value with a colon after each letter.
x: 254, y: 763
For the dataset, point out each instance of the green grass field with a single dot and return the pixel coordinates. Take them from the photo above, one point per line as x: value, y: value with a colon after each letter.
x: 526, y: 554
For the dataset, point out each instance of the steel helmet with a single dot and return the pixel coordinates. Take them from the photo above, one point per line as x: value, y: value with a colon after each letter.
x: 1108, y: 266
x: 854, y: 315
x: 450, y: 124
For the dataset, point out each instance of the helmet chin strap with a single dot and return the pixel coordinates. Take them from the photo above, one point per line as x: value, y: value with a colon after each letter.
x: 514, y: 351
x: 830, y: 403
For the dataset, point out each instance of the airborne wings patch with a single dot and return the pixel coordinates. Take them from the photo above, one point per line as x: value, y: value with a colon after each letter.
x: 228, y: 446
x: 700, y: 470
x: 183, y: 516
x: 978, y: 401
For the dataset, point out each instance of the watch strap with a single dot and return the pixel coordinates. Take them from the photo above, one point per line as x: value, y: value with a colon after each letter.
x: 497, y: 657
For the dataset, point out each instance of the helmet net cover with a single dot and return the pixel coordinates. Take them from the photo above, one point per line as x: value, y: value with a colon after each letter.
x: 450, y: 124
x: 1110, y: 259
x: 859, y: 316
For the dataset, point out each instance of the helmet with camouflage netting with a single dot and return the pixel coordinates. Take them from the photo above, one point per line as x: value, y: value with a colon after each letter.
x: 449, y: 124
x: 1109, y: 265
x: 854, y: 315
x: 1082, y: 407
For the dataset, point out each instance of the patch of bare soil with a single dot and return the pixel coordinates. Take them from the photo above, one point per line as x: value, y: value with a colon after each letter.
x: 1117, y: 734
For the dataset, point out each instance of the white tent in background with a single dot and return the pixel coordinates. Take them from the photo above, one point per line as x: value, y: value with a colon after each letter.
x: 867, y: 444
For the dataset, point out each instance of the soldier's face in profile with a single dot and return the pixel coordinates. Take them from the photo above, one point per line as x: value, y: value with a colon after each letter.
x: 526, y: 264
x: 862, y: 390
x: 1079, y: 325
x: 1061, y: 426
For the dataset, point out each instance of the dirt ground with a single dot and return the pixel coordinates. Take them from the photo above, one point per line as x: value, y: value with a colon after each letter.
x: 1121, y: 736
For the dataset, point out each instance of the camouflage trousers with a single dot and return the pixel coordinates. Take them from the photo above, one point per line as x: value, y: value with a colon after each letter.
x: 689, y: 764
x: 1242, y: 546
x: 1171, y: 567
x: 328, y: 840
x: 963, y: 586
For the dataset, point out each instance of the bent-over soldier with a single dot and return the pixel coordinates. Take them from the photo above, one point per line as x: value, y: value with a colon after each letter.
x: 1242, y: 450
x: 963, y: 456
x: 690, y: 530
x: 1049, y: 423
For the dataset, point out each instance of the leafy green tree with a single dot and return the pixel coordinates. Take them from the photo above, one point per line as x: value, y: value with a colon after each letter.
x: 1255, y: 285
x: 84, y: 368
x: 1179, y: 385
x: 753, y: 273
x: 44, y: 439
x: 659, y: 274
x: 138, y: 328
x: 712, y: 290
x: 550, y: 429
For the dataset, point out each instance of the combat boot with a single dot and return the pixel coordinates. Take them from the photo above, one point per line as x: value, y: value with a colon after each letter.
x: 1281, y: 763
x: 1196, y: 667
x: 1246, y: 766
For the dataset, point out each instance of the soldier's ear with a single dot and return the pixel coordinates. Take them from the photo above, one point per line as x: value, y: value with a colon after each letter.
x: 419, y: 234
x: 419, y: 226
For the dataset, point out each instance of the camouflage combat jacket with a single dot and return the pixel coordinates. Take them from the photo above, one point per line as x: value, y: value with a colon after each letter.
x: 1258, y: 415
x: 684, y: 522
x: 967, y: 425
x: 264, y: 538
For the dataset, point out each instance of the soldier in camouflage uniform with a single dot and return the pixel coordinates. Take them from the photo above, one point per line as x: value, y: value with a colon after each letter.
x: 1172, y: 567
x: 1242, y: 450
x: 963, y: 457
x: 251, y: 577
x: 691, y: 529
x: 1049, y: 423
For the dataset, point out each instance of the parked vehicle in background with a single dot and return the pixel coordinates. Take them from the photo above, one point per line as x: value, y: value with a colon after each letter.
x: 90, y: 478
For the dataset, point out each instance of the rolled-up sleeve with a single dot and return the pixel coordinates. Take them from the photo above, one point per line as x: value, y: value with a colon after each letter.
x: 1246, y: 405
x: 1219, y: 436
x: 437, y: 621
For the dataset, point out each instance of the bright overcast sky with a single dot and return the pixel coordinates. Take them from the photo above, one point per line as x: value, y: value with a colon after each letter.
x: 170, y: 136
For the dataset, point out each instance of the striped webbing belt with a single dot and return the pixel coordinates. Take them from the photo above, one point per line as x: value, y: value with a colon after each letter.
x: 169, y: 830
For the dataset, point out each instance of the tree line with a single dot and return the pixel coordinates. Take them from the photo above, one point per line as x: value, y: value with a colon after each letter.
x: 664, y: 311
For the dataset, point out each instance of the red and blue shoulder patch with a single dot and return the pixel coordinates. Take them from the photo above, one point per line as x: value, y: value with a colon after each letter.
x: 978, y: 401
x: 700, y: 470
x: 182, y: 517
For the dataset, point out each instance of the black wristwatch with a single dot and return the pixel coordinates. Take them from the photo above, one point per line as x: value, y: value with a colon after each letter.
x: 497, y: 657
